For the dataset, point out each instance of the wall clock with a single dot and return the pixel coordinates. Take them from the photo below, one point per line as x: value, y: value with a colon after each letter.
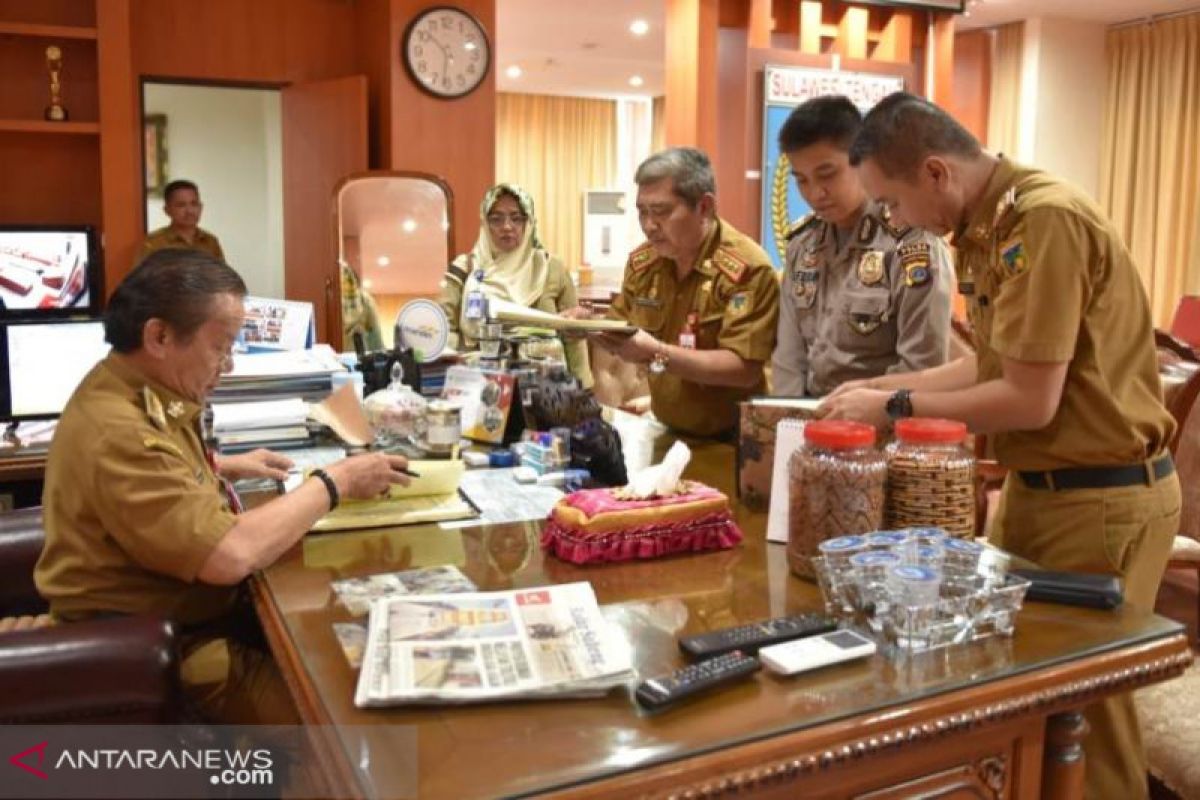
x: 446, y: 51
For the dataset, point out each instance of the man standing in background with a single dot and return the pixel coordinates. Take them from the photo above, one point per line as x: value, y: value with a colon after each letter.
x: 181, y: 203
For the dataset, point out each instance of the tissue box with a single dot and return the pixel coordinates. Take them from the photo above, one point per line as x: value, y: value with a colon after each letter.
x: 597, y: 525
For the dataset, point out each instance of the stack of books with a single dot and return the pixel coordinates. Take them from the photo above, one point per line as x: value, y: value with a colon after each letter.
x: 307, y: 374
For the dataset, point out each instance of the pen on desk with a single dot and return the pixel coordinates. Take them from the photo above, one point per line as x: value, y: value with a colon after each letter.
x: 409, y: 472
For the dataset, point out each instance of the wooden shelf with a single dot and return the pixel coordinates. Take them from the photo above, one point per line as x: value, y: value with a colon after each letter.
x: 47, y: 31
x: 41, y: 126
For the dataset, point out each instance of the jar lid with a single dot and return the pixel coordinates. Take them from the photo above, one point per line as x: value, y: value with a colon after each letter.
x: 839, y: 434
x: 918, y: 429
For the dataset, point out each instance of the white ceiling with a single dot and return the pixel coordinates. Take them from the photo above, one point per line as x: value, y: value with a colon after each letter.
x: 987, y: 13
x: 580, y: 47
x: 584, y: 47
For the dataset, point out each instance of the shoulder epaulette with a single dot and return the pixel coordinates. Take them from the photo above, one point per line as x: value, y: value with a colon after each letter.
x: 457, y: 273
x: 642, y: 257
x: 730, y: 263
x: 799, y: 226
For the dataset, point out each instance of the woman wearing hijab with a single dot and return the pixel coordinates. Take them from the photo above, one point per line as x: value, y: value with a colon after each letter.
x: 509, y: 263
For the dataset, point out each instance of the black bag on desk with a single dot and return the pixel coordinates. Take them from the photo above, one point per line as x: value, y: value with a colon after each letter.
x: 376, y: 367
x: 596, y: 447
x: 1073, y: 588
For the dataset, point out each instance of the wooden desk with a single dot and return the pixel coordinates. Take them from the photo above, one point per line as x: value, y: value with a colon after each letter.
x: 998, y: 718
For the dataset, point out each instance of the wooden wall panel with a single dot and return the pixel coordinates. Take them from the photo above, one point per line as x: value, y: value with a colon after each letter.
x: 120, y: 141
x: 50, y: 178
x: 455, y: 139
x: 50, y: 12
x: 373, y: 34
x: 972, y: 81
x: 267, y: 41
x: 691, y: 83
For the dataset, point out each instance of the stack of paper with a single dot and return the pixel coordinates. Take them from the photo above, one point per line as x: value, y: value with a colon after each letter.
x: 516, y: 314
x: 307, y: 374
x: 267, y: 423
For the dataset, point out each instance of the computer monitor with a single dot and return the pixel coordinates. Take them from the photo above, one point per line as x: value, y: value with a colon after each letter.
x: 49, y: 271
x: 44, y: 363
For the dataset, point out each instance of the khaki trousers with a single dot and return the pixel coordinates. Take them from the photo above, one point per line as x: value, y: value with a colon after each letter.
x: 233, y: 683
x: 1126, y: 531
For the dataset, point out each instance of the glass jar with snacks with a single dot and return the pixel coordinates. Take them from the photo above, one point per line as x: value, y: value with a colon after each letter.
x: 931, y: 477
x: 396, y: 413
x: 835, y: 488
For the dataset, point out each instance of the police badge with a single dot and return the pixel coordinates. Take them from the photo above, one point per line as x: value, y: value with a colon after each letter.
x: 870, y: 267
x: 915, y: 260
x: 806, y: 287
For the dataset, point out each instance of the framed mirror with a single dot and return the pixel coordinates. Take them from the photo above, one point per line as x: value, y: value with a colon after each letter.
x: 393, y: 237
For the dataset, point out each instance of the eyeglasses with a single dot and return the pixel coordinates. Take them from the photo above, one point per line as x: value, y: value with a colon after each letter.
x: 498, y: 220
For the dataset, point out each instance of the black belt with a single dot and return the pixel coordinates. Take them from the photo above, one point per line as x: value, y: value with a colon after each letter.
x: 1101, y: 477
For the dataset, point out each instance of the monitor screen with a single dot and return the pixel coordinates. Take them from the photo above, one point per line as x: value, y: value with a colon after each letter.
x: 49, y: 271
x: 44, y: 362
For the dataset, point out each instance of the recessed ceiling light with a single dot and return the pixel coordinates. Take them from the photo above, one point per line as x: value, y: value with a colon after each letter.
x: 368, y: 283
x: 409, y: 225
x: 636, y: 81
x: 469, y: 46
x: 383, y: 261
x: 513, y: 72
x: 639, y: 27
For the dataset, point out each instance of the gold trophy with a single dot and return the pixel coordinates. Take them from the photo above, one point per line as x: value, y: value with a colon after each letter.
x: 55, y: 112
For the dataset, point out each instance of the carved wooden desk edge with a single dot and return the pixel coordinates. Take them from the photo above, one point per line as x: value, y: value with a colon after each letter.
x: 335, y: 771
x: 773, y: 763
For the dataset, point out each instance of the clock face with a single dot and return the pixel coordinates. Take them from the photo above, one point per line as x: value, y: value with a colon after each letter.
x: 446, y: 51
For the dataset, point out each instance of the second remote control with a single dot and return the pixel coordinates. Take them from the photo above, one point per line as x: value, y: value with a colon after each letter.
x: 749, y: 638
x: 668, y: 689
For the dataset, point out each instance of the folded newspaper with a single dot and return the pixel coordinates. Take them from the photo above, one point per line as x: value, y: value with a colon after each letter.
x: 550, y: 641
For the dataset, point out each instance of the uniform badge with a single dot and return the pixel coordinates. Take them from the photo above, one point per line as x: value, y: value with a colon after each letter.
x: 915, y: 260
x: 966, y: 288
x: 154, y: 408
x: 1007, y: 201
x: 1012, y: 253
x: 867, y: 229
x: 642, y: 257
x: 870, y: 267
x: 739, y: 303
x: 175, y: 409
x: 805, y: 287
x: 809, y: 260
x: 647, y: 302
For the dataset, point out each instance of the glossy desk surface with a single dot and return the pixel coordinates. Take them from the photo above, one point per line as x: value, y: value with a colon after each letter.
x: 507, y: 749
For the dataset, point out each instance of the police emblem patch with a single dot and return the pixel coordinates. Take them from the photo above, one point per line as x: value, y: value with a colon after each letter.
x: 914, y: 258
x: 1012, y: 254
x: 806, y: 287
x: 870, y: 267
x: 739, y: 303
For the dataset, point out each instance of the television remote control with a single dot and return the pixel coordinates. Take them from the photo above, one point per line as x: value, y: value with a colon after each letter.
x: 666, y: 690
x: 749, y: 638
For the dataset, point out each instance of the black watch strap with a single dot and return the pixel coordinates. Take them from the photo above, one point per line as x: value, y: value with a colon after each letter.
x: 330, y: 486
x: 899, y: 405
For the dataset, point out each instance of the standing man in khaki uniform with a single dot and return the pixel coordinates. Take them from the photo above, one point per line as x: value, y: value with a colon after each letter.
x: 703, y: 295
x: 137, y: 519
x: 1064, y: 377
x: 860, y: 298
x: 181, y: 203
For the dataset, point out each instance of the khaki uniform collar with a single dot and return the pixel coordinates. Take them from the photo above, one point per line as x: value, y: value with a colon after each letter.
x: 982, y: 221
x: 172, y: 236
x: 165, y: 409
x: 712, y: 240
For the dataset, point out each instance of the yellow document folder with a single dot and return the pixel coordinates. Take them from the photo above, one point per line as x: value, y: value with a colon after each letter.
x: 432, y: 497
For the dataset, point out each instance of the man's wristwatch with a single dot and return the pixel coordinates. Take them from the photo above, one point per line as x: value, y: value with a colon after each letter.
x: 899, y: 405
x: 658, y: 364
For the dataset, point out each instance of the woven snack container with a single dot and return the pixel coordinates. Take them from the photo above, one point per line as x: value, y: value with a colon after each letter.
x: 836, y: 485
x: 931, y: 477
x: 599, y: 525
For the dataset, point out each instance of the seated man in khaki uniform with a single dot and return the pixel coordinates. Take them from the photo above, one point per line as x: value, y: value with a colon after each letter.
x: 181, y: 203
x: 860, y: 297
x: 137, y: 519
x: 703, y: 295
x: 1064, y: 377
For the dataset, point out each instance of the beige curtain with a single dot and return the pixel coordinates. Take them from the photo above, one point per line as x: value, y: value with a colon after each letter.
x: 658, y: 124
x: 1004, y: 105
x: 1150, y: 173
x: 557, y: 147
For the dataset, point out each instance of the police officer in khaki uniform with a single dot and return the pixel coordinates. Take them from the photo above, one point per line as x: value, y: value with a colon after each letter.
x: 860, y: 297
x: 181, y: 203
x: 1064, y: 376
x: 703, y: 296
x: 136, y: 518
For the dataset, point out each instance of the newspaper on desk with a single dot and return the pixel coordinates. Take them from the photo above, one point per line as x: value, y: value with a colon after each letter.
x: 549, y: 641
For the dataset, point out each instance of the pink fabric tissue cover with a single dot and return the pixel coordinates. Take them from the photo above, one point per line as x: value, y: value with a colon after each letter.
x: 593, y: 525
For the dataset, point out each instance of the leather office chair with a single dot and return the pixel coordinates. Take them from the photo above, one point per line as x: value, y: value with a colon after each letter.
x: 1186, y: 323
x: 118, y: 670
